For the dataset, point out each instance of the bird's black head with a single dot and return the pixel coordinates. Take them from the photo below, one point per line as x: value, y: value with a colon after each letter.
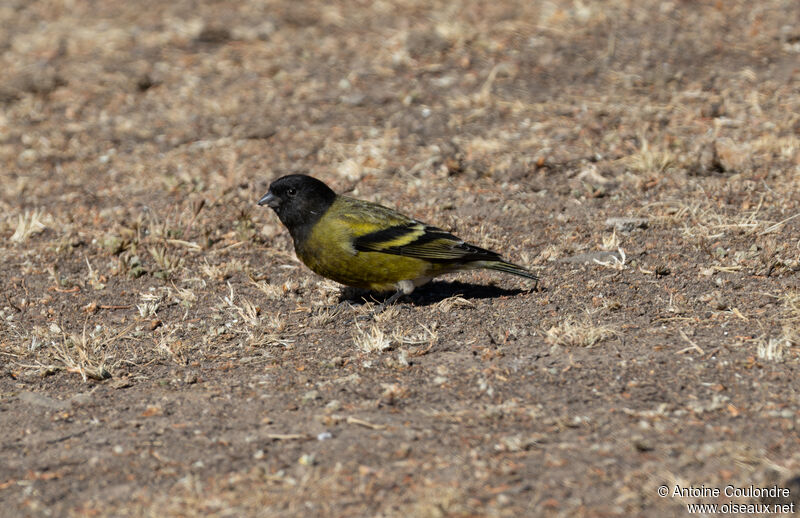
x: 299, y: 201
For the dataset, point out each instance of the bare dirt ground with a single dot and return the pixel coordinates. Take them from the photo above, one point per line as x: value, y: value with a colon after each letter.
x: 163, y: 353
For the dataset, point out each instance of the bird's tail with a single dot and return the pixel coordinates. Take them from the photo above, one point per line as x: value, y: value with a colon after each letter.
x: 505, y: 266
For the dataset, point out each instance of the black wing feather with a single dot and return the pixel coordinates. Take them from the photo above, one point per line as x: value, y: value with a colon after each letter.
x: 433, y: 244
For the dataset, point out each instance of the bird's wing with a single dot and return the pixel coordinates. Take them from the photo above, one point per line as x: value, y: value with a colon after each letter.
x: 416, y: 239
x: 375, y: 228
x: 361, y: 217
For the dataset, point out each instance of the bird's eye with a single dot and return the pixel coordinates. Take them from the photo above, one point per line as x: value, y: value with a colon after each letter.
x: 291, y: 191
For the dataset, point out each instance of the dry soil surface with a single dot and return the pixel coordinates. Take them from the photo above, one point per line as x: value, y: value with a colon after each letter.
x: 163, y: 352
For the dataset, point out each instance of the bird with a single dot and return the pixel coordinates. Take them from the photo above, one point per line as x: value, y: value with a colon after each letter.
x: 366, y: 245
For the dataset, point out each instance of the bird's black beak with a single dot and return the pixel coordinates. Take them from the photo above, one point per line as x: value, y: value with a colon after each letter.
x: 270, y: 200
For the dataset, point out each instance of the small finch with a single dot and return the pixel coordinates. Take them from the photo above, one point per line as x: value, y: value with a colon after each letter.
x: 366, y: 245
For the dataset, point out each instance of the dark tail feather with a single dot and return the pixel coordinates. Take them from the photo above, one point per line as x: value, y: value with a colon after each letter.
x: 503, y: 266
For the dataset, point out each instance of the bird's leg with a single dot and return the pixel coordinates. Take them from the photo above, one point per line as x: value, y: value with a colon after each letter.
x: 391, y: 300
x: 403, y: 288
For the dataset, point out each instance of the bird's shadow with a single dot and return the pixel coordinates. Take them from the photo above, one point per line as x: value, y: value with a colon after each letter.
x: 435, y: 291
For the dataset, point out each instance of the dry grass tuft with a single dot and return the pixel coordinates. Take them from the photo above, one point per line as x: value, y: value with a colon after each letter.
x: 616, y: 262
x: 85, y: 354
x: 257, y: 329
x: 776, y: 348
x: 388, y: 314
x: 791, y: 303
x: 427, y: 336
x: 457, y: 301
x: 611, y: 242
x: 650, y: 161
x: 30, y: 223
x: 149, y: 306
x: 168, y: 261
x: 170, y: 347
x: 773, y: 350
x: 371, y: 340
x: 571, y: 333
x: 325, y: 316
x: 791, y: 325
